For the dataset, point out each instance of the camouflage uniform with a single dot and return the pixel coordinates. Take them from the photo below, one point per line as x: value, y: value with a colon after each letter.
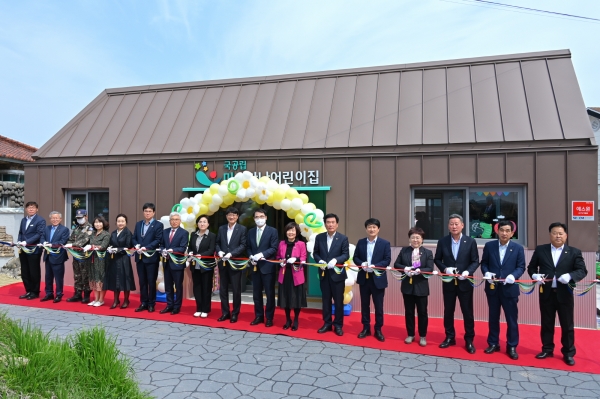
x: 80, y: 237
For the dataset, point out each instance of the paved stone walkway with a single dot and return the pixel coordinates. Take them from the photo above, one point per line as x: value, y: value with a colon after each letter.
x: 183, y: 361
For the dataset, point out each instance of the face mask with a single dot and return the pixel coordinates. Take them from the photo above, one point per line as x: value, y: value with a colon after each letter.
x: 81, y: 220
x: 260, y: 222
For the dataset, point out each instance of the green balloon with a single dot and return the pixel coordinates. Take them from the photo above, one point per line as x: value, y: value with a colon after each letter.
x: 310, y: 219
x: 233, y: 187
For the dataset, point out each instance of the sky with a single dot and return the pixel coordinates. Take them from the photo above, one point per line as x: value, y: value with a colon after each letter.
x: 57, y: 56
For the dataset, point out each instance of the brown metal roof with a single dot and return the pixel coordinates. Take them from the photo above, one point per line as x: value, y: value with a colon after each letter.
x: 522, y: 97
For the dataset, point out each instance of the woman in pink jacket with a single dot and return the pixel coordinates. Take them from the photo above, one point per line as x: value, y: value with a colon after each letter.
x: 292, y: 253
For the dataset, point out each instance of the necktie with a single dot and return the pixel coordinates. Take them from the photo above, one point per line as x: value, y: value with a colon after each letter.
x: 258, y: 236
x: 52, y: 233
x: 171, y: 235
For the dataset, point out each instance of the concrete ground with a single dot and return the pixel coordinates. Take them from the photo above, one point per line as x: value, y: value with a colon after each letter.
x: 183, y: 361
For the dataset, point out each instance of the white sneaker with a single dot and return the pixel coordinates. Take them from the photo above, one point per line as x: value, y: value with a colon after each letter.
x: 197, y: 314
x: 92, y: 303
x: 204, y: 315
x: 98, y: 304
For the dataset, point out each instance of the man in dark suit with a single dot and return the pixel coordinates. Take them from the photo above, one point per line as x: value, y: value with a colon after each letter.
x: 554, y: 266
x: 231, y: 243
x: 147, y: 236
x: 505, y: 260
x: 174, y: 240
x: 55, y: 235
x: 372, y: 251
x: 331, y: 249
x: 457, y: 255
x: 262, y: 244
x: 30, y: 235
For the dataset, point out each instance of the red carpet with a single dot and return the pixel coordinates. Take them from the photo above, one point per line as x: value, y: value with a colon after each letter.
x: 587, y: 358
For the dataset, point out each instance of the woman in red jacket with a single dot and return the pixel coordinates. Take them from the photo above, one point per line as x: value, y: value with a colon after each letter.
x: 292, y: 253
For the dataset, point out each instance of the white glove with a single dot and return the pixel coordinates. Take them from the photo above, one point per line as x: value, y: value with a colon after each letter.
x: 258, y: 256
x: 170, y: 250
x: 388, y: 268
x: 302, y: 262
x: 291, y: 260
x: 464, y: 275
x: 112, y: 250
x: 416, y: 271
x: 221, y: 253
x: 510, y: 279
x: 87, y: 248
x: 165, y: 253
x: 68, y: 246
x: 369, y: 269
x: 450, y: 270
x: 323, y: 263
x: 190, y: 254
x: 565, y: 278
x: 143, y: 249
x: 407, y: 269
x: 282, y: 264
x: 364, y: 264
x: 45, y: 243
x: 22, y: 243
x: 331, y: 263
x: 227, y: 256
x: 539, y: 278
x: 488, y: 276
x: 137, y: 246
x: 40, y: 245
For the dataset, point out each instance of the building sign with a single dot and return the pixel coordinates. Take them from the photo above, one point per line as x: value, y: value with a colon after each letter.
x: 582, y: 210
x: 232, y: 166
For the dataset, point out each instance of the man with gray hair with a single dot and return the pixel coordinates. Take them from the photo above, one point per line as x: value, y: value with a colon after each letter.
x: 456, y: 255
x: 174, y: 242
x: 55, y: 235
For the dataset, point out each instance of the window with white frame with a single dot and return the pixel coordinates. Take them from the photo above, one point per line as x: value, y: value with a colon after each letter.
x: 482, y: 208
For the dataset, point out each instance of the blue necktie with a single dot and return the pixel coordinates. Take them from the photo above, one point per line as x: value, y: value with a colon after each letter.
x: 52, y: 233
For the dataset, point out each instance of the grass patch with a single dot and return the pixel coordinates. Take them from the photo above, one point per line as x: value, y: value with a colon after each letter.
x: 87, y: 364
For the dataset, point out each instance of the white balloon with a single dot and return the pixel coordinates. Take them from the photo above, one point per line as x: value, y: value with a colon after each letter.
x: 165, y: 221
x: 223, y: 191
x: 213, y: 207
x: 186, y: 202
x: 250, y: 192
x: 272, y: 185
x: 241, y: 193
x: 286, y: 204
x: 247, y: 175
x: 319, y: 213
x: 310, y: 246
x: 312, y: 238
x: 239, y: 176
x: 297, y: 204
x: 284, y: 187
x: 198, y: 197
x: 306, y: 208
x: 351, y: 275
x: 276, y: 204
x: 217, y: 199
x: 161, y: 287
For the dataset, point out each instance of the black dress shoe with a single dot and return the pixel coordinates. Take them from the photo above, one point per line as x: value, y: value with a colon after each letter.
x: 47, y: 298
x: 379, y: 336
x: 257, y: 320
x: 512, y: 353
x: 295, y: 325
x: 447, y: 343
x: 124, y: 305
x: 469, y: 347
x: 269, y: 323
x: 224, y: 317
x: 142, y: 308
x: 287, y: 324
x: 150, y: 308
x: 114, y: 305
x: 25, y: 296
x: 166, y: 310
x: 339, y: 332
x: 324, y: 329
x: 543, y: 355
x: 491, y: 349
x: 32, y: 296
x: 57, y: 299
x: 233, y: 318
x: 364, y: 333
x: 175, y: 311
x: 569, y: 360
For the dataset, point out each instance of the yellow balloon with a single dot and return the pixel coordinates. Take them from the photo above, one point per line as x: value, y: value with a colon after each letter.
x: 304, y: 198
x: 347, y: 298
x: 203, y: 209
x: 291, y: 193
x: 299, y: 218
x: 214, y: 188
x: 292, y: 213
x: 264, y: 179
x: 207, y: 197
x: 347, y: 289
x: 278, y: 195
x: 259, y: 201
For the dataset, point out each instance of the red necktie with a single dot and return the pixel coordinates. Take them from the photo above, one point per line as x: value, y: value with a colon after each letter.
x: 171, y: 235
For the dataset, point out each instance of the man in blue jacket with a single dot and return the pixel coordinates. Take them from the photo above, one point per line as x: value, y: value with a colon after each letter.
x: 30, y: 234
x: 147, y: 236
x: 174, y: 241
x: 262, y: 244
x: 55, y: 235
x: 372, y: 251
x: 503, y: 259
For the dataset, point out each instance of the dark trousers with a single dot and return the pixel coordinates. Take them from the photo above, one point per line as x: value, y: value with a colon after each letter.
x: 368, y: 290
x: 465, y: 298
x: 264, y: 282
x: 173, y: 277
x: 331, y: 290
x: 410, y: 301
x: 511, y: 313
x: 31, y: 272
x: 147, y: 275
x: 203, y: 282
x: 227, y: 275
x: 548, y: 308
x: 55, y: 273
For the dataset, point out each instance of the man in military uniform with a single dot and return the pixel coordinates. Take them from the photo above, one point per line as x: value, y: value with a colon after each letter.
x: 80, y: 238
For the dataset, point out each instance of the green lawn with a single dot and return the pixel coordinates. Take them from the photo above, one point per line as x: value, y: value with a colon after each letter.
x: 87, y: 364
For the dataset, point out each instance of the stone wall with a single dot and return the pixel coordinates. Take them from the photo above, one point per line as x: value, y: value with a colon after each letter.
x: 6, y: 250
x: 15, y: 193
